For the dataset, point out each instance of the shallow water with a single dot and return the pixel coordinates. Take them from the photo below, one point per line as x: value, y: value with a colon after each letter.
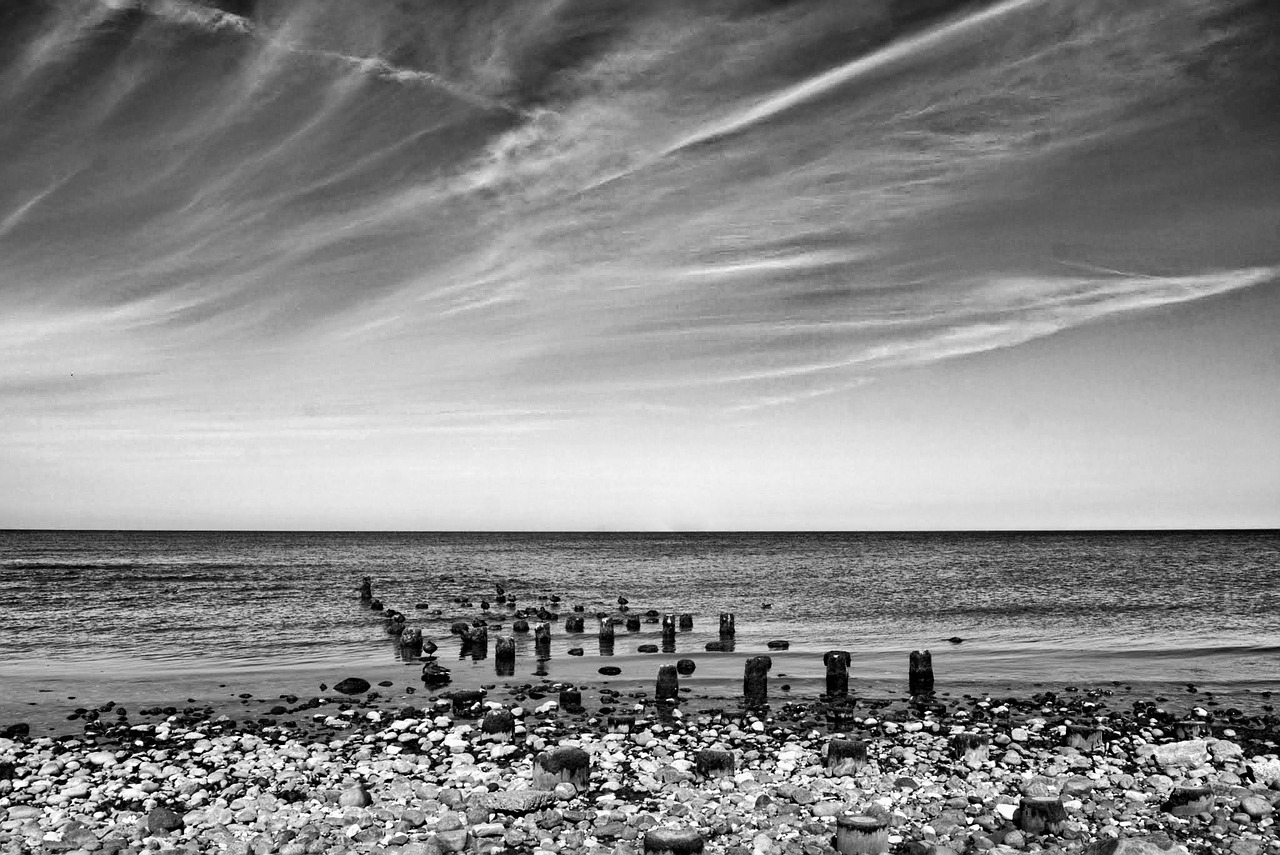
x: 154, y: 617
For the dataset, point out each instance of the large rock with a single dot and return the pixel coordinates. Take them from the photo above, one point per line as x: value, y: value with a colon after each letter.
x: 1137, y: 846
x: 161, y: 820
x: 1265, y: 771
x: 352, y: 686
x: 1189, y: 754
x: 513, y: 802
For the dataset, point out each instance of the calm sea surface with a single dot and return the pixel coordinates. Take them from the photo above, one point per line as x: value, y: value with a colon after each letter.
x: 154, y: 616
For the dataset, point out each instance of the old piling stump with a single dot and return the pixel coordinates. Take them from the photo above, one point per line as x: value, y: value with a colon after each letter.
x: 727, y: 629
x: 669, y: 629
x: 686, y: 622
x: 1040, y: 814
x: 561, y: 765
x: 837, y: 662
x: 715, y: 763
x: 971, y: 749
x: 574, y: 624
x: 1189, y: 800
x: 467, y: 703
x: 755, y: 681
x: 498, y: 726
x: 673, y: 841
x: 633, y: 623
x: 366, y: 588
x: 920, y: 674
x: 542, y: 640
x: 860, y: 834
x: 668, y: 686
x: 571, y: 700
x: 845, y: 756
x: 606, y: 629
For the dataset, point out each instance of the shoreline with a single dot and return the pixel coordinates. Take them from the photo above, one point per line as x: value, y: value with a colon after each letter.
x: 428, y: 772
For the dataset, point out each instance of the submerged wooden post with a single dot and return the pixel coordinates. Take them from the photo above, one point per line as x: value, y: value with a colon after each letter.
x: 920, y: 676
x: 668, y: 629
x: 573, y: 623
x: 606, y: 629
x: 714, y: 763
x: 668, y: 688
x: 411, y: 641
x: 755, y: 682
x: 845, y: 756
x: 633, y: 623
x: 673, y: 841
x: 686, y: 622
x: 561, y: 765
x: 858, y: 834
x: 837, y: 662
x: 542, y: 640
x: 366, y: 588
x: 726, y: 625
x: 1040, y: 815
x: 504, y: 655
x: 571, y: 700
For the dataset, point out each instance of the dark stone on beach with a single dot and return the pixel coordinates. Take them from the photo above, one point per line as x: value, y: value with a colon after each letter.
x: 20, y: 730
x: 685, y: 667
x: 717, y: 646
x: 955, y: 639
x: 647, y: 648
x: 778, y: 644
x: 755, y: 683
x: 512, y: 802
x: 352, y: 686
x: 920, y: 673
x: 673, y: 841
x: 610, y: 670
x: 435, y: 675
x: 422, y: 606
x: 576, y: 651
x: 162, y: 820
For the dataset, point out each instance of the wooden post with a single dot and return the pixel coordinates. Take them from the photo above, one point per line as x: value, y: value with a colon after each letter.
x: 1189, y: 801
x: 972, y: 749
x: 467, y: 703
x: 837, y: 662
x: 686, y: 622
x: 713, y: 763
x: 542, y: 640
x: 573, y: 623
x: 411, y: 641
x: 726, y: 625
x: 520, y: 625
x: 669, y: 629
x: 755, y: 683
x: 668, y: 688
x: 498, y: 726
x: 571, y: 700
x: 845, y: 756
x: 504, y: 655
x: 1189, y: 729
x: 366, y: 589
x: 920, y: 676
x: 672, y: 841
x: 621, y: 723
x: 861, y: 835
x: 633, y: 623
x: 1040, y: 815
x: 561, y: 765
x: 1085, y: 738
x: 606, y: 629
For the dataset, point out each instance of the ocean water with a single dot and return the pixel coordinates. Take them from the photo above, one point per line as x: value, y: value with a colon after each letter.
x: 151, y: 616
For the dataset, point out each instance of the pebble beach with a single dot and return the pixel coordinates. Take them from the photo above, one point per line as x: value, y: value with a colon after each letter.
x: 361, y: 773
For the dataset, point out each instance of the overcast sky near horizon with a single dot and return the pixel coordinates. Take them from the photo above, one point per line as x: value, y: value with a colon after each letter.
x: 738, y: 265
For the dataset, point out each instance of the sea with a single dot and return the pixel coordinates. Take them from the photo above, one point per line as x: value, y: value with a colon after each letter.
x: 178, y: 617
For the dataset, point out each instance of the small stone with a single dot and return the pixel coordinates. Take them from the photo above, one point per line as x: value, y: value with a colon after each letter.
x: 1256, y: 807
x: 162, y: 819
x: 352, y: 686
x: 357, y: 796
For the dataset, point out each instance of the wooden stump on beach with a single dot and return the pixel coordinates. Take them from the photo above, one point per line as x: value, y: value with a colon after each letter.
x: 972, y: 749
x: 542, y: 640
x: 755, y: 681
x: 920, y: 675
x: 1085, y: 738
x: 727, y: 629
x: 571, y: 700
x: 669, y: 629
x: 672, y: 841
x: 668, y: 687
x: 498, y: 725
x: 686, y: 622
x: 837, y: 662
x: 467, y: 703
x: 858, y: 834
x: 845, y: 756
x: 561, y: 765
x: 714, y: 763
x: 1189, y: 801
x: 1040, y: 815
x: 606, y: 629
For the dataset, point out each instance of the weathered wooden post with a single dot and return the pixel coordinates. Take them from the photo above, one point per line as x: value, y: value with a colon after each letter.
x: 1188, y: 729
x: 920, y: 676
x: 845, y: 757
x: 411, y: 641
x: 375, y: 604
x: 498, y: 726
x: 971, y: 749
x: 606, y: 629
x: 673, y: 841
x: 837, y: 662
x: 633, y: 623
x: 726, y: 625
x: 467, y: 703
x: 669, y: 629
x: 573, y: 623
x: 859, y: 834
x: 714, y: 763
x: 571, y: 700
x: 1040, y: 814
x: 542, y: 640
x: 1189, y: 801
x: 668, y: 688
x: 561, y: 765
x: 1086, y: 738
x: 520, y: 625
x: 755, y: 682
x: 504, y: 655
x: 686, y: 622
x: 366, y: 589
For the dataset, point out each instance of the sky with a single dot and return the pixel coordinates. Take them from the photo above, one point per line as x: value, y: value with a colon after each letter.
x: 896, y: 264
